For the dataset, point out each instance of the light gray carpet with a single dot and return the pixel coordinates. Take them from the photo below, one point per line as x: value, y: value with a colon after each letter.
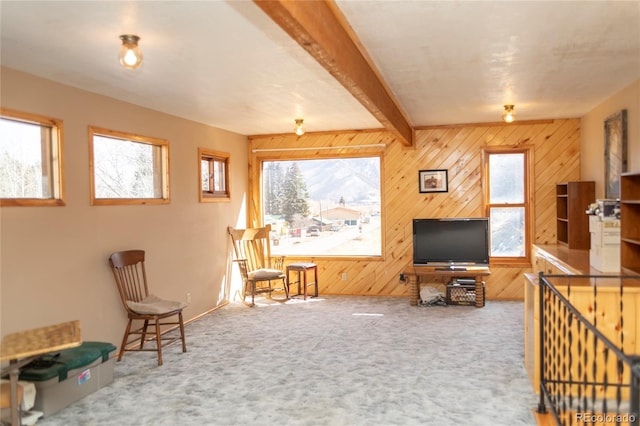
x: 327, y: 361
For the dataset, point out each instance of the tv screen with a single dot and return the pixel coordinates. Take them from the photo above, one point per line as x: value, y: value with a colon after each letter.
x: 451, y: 242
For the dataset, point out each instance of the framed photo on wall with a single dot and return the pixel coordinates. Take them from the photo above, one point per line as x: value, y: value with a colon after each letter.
x: 615, y: 152
x: 433, y: 181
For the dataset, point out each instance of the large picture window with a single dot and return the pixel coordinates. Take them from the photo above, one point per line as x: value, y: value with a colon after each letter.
x: 323, y: 207
x: 128, y: 169
x: 31, y: 172
x: 507, y: 203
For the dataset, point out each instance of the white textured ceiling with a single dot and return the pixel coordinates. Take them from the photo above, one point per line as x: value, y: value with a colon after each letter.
x: 226, y: 64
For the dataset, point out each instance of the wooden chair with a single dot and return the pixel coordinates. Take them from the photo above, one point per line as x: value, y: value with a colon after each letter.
x: 258, y: 268
x: 131, y: 280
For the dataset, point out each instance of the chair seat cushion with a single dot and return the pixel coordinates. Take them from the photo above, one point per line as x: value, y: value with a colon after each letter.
x: 154, y: 305
x: 266, y: 274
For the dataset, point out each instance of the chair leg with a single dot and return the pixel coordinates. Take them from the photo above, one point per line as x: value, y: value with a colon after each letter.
x: 158, y: 342
x: 286, y: 282
x: 306, y: 282
x: 244, y: 302
x: 270, y: 290
x: 184, y: 343
x: 245, y: 289
x: 143, y: 336
x: 298, y: 282
x: 125, y: 339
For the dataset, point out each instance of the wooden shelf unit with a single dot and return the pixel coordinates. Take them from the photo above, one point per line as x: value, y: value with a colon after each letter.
x: 415, y: 273
x: 630, y: 222
x: 572, y: 199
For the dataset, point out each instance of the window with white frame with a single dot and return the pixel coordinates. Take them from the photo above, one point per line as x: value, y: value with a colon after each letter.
x: 128, y: 169
x: 31, y: 166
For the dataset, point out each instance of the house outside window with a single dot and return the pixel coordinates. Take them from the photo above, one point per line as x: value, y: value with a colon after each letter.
x: 31, y: 160
x: 323, y: 207
x: 507, y: 203
x: 127, y: 168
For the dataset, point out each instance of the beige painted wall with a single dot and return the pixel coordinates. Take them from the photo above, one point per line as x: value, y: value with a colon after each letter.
x: 53, y: 260
x: 592, y: 140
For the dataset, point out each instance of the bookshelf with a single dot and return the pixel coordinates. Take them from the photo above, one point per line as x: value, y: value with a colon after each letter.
x: 572, y: 199
x: 630, y: 222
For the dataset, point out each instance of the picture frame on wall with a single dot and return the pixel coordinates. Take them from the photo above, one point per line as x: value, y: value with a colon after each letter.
x: 615, y: 152
x: 433, y: 181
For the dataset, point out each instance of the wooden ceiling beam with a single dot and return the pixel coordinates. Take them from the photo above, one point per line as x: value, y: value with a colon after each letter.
x: 318, y: 27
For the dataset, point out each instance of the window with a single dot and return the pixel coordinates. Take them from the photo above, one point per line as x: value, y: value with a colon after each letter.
x: 214, y: 176
x: 323, y: 207
x: 30, y: 160
x: 507, y: 203
x: 127, y: 169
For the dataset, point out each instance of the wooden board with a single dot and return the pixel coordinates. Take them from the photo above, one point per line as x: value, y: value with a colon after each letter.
x: 455, y: 148
x: 40, y: 340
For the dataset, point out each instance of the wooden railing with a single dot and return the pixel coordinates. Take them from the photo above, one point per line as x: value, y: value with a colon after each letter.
x: 589, y: 363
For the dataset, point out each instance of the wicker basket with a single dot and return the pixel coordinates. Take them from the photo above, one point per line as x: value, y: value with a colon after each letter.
x: 464, y: 294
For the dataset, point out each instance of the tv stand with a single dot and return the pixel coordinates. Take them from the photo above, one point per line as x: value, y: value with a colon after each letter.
x: 414, y: 274
x: 452, y: 268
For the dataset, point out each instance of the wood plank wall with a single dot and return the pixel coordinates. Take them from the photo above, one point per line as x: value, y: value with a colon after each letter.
x: 456, y: 148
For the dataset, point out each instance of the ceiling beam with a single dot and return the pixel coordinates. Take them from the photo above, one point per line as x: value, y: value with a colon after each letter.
x: 318, y: 27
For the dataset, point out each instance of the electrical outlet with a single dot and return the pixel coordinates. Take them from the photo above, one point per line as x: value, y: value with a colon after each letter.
x: 188, y: 297
x: 402, y: 277
x: 344, y: 276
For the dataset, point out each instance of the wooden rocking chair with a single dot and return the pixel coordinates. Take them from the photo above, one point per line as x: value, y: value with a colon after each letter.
x: 258, y: 268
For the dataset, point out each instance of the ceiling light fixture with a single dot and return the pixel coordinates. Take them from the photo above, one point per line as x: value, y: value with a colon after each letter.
x: 508, y: 113
x: 130, y: 54
x: 299, y: 128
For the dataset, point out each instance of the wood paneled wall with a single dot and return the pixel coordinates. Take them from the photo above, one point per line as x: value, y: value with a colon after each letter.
x: 455, y: 148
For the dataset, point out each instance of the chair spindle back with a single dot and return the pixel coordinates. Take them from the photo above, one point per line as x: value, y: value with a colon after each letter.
x: 253, y: 245
x: 130, y: 275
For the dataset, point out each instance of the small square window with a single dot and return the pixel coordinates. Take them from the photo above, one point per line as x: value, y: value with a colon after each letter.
x: 30, y: 160
x: 214, y: 176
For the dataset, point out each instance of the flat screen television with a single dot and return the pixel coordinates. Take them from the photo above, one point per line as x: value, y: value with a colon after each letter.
x: 451, y: 242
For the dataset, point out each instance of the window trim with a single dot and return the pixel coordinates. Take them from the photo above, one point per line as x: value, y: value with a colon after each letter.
x: 212, y: 196
x: 56, y: 147
x: 527, y: 151
x: 164, y: 167
x: 301, y: 156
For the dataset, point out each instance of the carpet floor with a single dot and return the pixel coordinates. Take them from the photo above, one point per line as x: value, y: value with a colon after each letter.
x: 331, y: 360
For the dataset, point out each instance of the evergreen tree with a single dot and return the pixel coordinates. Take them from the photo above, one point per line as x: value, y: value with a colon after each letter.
x: 273, y: 181
x: 294, y: 194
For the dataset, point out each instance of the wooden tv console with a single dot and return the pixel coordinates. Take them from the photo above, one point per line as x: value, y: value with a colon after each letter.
x: 414, y: 275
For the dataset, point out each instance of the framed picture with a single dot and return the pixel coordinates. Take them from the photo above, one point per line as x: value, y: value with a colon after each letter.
x: 433, y: 181
x: 615, y: 152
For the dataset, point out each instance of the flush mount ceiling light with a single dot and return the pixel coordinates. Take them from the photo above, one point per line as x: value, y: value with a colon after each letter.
x: 299, y: 128
x: 130, y: 54
x: 508, y: 113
